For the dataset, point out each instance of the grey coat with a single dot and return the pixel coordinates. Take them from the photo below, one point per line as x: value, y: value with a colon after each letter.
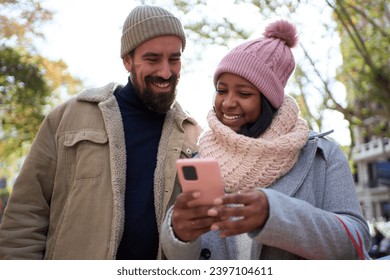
x: 302, y: 221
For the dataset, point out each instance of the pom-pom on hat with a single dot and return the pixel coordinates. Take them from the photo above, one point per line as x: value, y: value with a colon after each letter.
x: 146, y: 22
x: 266, y: 62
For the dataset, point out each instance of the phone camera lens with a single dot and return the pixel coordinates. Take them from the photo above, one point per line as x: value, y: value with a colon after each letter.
x: 189, y: 173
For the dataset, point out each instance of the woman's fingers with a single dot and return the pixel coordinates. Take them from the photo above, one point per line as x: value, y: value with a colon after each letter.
x: 187, y: 229
x: 189, y: 222
x: 183, y: 199
x: 240, y: 212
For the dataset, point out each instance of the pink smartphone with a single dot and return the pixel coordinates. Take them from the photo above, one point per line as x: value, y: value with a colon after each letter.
x: 201, y: 174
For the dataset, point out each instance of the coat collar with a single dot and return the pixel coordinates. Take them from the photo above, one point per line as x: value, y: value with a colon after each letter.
x: 289, y: 183
x: 98, y: 95
x: 101, y: 94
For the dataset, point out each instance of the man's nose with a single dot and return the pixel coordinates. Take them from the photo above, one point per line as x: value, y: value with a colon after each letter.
x: 164, y: 70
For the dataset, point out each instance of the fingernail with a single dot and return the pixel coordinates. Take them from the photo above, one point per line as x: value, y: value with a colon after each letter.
x: 214, y: 228
x: 212, y: 212
x: 196, y: 194
x: 218, y: 201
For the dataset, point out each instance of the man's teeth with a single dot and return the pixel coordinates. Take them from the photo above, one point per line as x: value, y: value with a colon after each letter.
x: 161, y: 85
x: 232, y: 117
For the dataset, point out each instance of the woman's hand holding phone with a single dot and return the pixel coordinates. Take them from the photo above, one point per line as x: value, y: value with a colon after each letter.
x: 190, y: 222
x: 203, y: 206
x: 239, y: 213
x: 201, y: 183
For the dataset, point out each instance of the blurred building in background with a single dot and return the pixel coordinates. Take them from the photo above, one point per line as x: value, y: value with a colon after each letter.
x: 371, y: 154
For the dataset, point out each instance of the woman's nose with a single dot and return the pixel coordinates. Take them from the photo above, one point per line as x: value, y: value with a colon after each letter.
x: 229, y: 101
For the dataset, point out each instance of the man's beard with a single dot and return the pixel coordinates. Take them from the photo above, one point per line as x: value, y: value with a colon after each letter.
x: 158, y: 102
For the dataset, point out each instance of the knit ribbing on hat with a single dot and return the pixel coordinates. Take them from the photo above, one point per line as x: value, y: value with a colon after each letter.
x: 266, y: 62
x: 146, y: 22
x: 247, y: 163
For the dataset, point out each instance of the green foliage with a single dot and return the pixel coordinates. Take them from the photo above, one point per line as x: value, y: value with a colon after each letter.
x: 23, y: 94
x: 20, y: 20
x: 30, y: 84
x: 4, y: 194
x: 365, y: 46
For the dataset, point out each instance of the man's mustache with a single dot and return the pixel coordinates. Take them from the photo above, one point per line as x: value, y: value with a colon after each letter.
x: 156, y: 79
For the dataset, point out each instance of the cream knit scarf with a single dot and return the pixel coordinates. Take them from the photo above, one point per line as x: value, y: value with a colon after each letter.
x: 247, y: 163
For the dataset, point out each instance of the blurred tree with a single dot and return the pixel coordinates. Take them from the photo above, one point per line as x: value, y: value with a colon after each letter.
x: 364, y: 27
x: 23, y: 95
x: 30, y: 84
x: 20, y: 21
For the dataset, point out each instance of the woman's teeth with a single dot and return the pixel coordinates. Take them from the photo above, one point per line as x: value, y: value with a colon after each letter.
x: 232, y: 117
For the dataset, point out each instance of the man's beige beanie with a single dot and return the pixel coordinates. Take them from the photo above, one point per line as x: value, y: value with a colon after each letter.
x: 146, y: 22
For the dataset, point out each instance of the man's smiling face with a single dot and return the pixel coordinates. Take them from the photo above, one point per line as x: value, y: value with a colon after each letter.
x: 154, y: 68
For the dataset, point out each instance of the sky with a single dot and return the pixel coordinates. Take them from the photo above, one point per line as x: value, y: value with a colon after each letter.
x: 86, y: 35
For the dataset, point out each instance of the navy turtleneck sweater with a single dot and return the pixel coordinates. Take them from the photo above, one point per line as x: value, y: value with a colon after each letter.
x: 142, y: 129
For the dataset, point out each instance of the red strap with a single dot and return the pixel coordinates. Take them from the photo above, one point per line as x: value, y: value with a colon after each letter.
x: 359, y: 248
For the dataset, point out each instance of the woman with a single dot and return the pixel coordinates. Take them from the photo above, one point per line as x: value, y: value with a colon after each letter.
x: 287, y: 188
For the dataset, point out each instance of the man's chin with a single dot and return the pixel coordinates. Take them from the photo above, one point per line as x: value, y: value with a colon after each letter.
x: 160, y: 105
x: 160, y: 109
x: 162, y: 93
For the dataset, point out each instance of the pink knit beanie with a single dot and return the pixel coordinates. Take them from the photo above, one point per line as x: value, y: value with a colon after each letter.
x: 266, y: 62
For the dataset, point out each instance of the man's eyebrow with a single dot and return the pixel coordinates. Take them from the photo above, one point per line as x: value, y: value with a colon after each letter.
x: 176, y: 54
x: 150, y: 54
x: 153, y: 54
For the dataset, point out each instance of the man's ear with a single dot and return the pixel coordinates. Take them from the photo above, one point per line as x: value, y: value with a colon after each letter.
x: 127, y: 62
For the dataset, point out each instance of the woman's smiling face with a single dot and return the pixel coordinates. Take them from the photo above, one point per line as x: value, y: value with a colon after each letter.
x: 237, y: 101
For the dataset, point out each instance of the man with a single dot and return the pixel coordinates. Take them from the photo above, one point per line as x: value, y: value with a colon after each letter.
x: 101, y: 174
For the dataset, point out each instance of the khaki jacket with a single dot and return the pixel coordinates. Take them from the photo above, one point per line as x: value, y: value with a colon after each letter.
x: 68, y: 200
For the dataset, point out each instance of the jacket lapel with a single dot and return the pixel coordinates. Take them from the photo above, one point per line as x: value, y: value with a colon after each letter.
x: 98, y: 94
x: 289, y: 183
